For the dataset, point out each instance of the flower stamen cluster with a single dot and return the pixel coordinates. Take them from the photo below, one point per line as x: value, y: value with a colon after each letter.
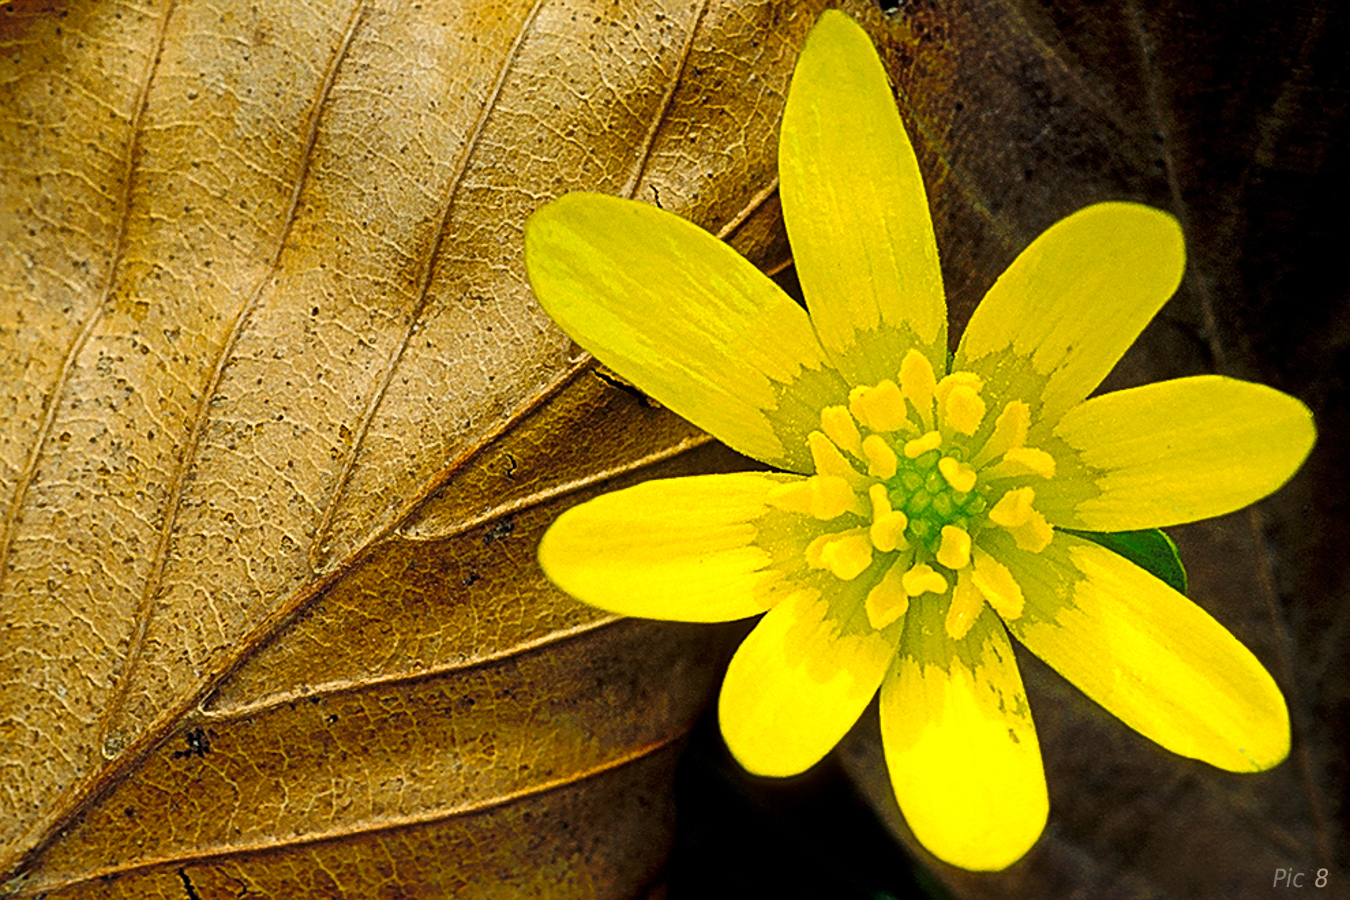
x: 919, y: 519
x: 911, y: 473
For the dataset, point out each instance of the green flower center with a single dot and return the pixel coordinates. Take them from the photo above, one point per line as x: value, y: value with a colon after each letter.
x: 929, y: 501
x: 900, y: 473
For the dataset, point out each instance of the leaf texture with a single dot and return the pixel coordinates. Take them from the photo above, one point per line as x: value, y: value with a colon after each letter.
x: 282, y: 426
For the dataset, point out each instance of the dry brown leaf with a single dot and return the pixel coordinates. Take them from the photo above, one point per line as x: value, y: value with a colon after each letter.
x: 282, y: 426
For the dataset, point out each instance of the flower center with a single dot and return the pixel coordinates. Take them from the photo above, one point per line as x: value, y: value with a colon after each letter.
x: 914, y: 474
x: 933, y: 495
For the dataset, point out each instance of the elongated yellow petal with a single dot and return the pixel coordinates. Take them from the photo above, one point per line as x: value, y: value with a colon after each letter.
x: 802, y: 678
x: 1150, y: 656
x: 960, y: 743
x: 686, y: 319
x: 678, y: 548
x: 855, y: 209
x: 1071, y: 303
x: 1172, y: 452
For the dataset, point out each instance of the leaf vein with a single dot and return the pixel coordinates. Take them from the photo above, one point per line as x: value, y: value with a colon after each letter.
x: 429, y: 270
x: 631, y: 756
x: 644, y: 153
x: 51, y: 403
x: 173, y: 504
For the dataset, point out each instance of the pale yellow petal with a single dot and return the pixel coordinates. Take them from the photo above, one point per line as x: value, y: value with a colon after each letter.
x: 1153, y: 658
x: 1172, y: 452
x: 802, y: 678
x: 855, y: 208
x: 960, y: 743
x: 686, y: 319
x: 679, y: 548
x: 1070, y: 304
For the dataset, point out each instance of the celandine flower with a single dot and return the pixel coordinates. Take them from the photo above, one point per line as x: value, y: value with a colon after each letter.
x: 918, y: 518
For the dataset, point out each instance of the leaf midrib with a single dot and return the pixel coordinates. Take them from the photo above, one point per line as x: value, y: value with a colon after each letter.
x: 86, y: 791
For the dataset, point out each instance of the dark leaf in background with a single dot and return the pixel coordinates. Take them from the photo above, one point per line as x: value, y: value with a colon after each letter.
x: 1151, y: 550
x: 1234, y: 118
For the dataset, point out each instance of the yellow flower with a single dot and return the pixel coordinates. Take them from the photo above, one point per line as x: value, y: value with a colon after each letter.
x: 918, y: 516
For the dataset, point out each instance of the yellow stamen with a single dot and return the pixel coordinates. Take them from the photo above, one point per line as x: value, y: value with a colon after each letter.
x: 888, y: 601
x: 795, y: 496
x: 1024, y: 461
x: 954, y: 552
x: 1013, y: 508
x: 997, y: 585
x: 831, y: 497
x: 815, y: 548
x: 881, y: 500
x: 880, y: 408
x: 1034, y: 534
x: 888, y: 526
x: 829, y: 461
x: 839, y: 427
x: 888, y: 531
x: 967, y: 601
x: 1010, y: 431
x: 921, y: 445
x: 829, y: 550
x: 917, y: 383
x: 846, y: 554
x: 959, y: 475
x: 922, y: 579
x: 963, y: 410
x: 951, y: 382
x: 881, y: 459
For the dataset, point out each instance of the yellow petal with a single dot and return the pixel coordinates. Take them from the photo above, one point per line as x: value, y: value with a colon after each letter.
x: 1010, y: 432
x: 1172, y: 452
x: 1067, y: 308
x: 678, y: 548
x: 801, y: 679
x: 960, y: 743
x: 1150, y: 656
x: 855, y: 208
x: 685, y: 318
